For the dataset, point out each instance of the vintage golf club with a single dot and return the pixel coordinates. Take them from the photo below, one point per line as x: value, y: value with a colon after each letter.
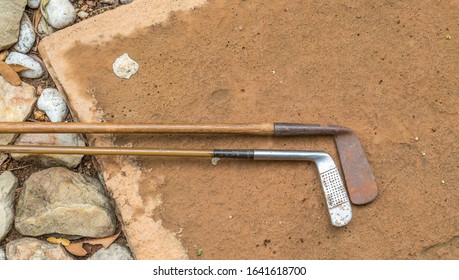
x: 361, y: 184
x: 339, y: 207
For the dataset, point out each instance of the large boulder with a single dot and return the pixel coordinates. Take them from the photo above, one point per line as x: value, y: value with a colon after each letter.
x: 16, y: 104
x: 8, y: 185
x: 10, y: 18
x: 59, y: 201
x: 50, y: 160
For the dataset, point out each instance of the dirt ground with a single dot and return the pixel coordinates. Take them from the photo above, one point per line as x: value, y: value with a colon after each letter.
x: 387, y: 69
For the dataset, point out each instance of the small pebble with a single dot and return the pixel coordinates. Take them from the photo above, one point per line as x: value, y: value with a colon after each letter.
x: 124, y: 67
x: 125, y: 1
x: 59, y: 13
x: 443, y: 182
x: 26, y: 36
x: 215, y: 161
x: 422, y: 153
x: 52, y: 103
x: 416, y: 138
x: 230, y: 216
x: 36, y: 71
x: 82, y: 14
x: 39, y: 115
x: 33, y: 4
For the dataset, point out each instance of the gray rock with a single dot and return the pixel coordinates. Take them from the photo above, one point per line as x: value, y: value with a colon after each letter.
x: 113, y: 252
x: 57, y: 200
x: 59, y: 13
x: 2, y: 254
x: 33, y: 4
x: 44, y: 29
x: 125, y: 1
x: 26, y: 36
x: 8, y: 185
x: 33, y: 249
x: 16, y: 104
x: 19, y: 58
x: 10, y: 18
x: 124, y: 67
x: 53, y: 104
x: 67, y: 139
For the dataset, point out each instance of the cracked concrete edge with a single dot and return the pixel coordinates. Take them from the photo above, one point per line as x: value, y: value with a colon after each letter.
x: 146, y: 237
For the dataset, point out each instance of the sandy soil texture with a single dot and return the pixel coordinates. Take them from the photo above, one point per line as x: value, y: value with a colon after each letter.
x: 386, y: 69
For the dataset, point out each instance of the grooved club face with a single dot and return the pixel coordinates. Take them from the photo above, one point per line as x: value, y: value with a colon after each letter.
x: 338, y: 203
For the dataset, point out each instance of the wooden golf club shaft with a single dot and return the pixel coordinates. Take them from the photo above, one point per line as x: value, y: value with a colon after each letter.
x: 72, y: 150
x: 105, y: 151
x: 280, y: 129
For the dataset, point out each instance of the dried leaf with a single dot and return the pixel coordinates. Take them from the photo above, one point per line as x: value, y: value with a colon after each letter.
x: 18, y: 67
x: 55, y: 240
x: 9, y: 74
x: 43, y: 7
x: 36, y: 20
x: 106, y: 241
x: 78, y: 250
x: 3, y: 55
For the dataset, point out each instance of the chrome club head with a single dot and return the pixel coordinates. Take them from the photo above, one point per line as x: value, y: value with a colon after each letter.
x: 339, y: 206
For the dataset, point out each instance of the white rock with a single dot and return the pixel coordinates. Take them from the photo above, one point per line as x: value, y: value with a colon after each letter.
x: 44, y: 29
x: 8, y: 185
x: 33, y: 4
x: 33, y: 249
x: 114, y: 252
x: 52, y: 103
x: 124, y: 67
x: 125, y: 1
x: 83, y: 14
x: 59, y: 13
x: 26, y: 36
x: 2, y: 254
x: 19, y: 58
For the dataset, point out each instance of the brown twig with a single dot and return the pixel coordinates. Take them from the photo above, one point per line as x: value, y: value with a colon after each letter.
x: 20, y: 167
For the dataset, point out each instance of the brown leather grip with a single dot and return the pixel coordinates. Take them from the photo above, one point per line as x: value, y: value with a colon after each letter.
x: 298, y: 129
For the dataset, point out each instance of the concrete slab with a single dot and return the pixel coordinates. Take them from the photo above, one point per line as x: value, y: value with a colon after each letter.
x: 378, y: 68
x: 146, y: 237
